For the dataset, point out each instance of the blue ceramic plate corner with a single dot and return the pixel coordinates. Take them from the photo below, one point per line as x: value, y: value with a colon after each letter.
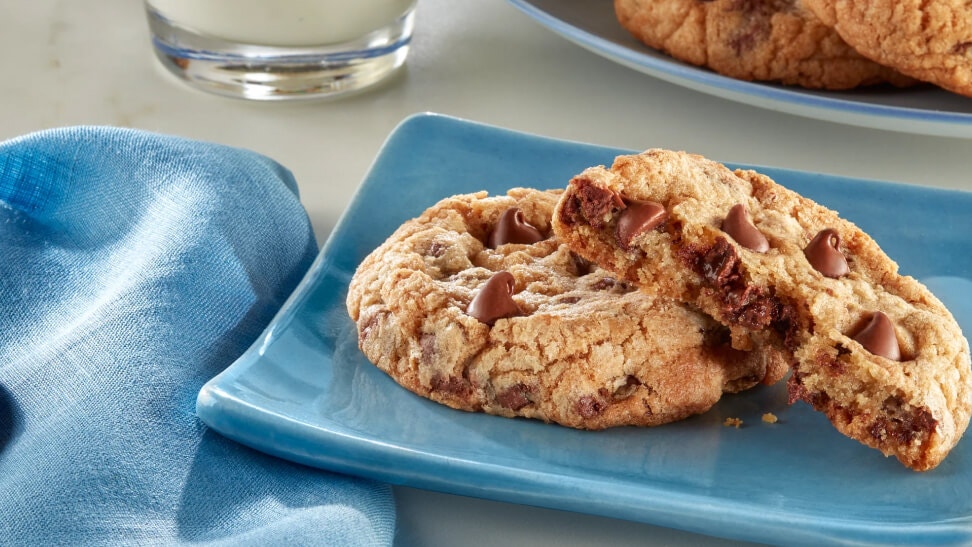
x: 304, y: 392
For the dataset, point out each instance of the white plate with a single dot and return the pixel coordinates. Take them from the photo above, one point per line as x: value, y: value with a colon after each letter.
x: 922, y: 110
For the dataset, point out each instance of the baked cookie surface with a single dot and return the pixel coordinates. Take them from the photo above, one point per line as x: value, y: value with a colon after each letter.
x: 772, y: 40
x: 454, y: 311
x: 872, y: 349
x: 929, y: 39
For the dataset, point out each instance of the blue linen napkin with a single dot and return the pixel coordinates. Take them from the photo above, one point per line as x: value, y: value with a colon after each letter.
x: 133, y: 268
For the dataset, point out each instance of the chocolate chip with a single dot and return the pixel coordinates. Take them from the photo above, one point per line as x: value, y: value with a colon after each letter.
x: 452, y: 385
x: 515, y: 397
x: 371, y: 324
x: 437, y: 249
x: 823, y: 253
x: 589, y: 406
x: 513, y: 228
x: 755, y: 16
x: 604, y: 283
x: 427, y: 343
x: 738, y: 225
x: 637, y: 218
x: 609, y: 283
x: 495, y: 299
x: 879, y: 338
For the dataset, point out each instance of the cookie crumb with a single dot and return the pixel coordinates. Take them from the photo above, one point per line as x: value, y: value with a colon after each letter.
x: 770, y: 418
x: 733, y: 422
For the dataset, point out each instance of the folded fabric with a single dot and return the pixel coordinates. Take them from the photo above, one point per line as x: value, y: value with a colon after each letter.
x: 133, y: 268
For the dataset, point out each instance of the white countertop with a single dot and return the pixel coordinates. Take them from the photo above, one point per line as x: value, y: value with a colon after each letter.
x: 68, y: 63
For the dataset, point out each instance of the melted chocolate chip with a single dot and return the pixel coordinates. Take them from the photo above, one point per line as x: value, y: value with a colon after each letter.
x: 513, y: 228
x: 797, y: 391
x: 372, y: 325
x: 879, y: 338
x: 755, y: 28
x: 437, y: 249
x: 834, y: 365
x: 427, y: 343
x: 590, y: 203
x: 823, y: 253
x: 637, y: 218
x: 904, y: 429
x: 589, y: 406
x: 739, y: 226
x: 751, y: 306
x: 452, y: 385
x: 609, y: 283
x: 604, y: 283
x: 515, y: 397
x: 718, y: 264
x: 495, y: 299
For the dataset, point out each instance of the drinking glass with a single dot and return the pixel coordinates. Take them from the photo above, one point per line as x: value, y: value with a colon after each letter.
x: 281, y: 49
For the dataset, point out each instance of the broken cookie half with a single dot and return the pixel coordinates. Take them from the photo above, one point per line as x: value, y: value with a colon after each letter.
x: 872, y: 349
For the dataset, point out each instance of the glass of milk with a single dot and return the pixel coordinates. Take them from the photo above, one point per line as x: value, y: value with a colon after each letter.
x: 281, y: 49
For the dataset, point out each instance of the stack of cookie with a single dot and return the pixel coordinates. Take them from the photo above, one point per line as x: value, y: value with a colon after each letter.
x: 643, y: 292
x: 818, y: 44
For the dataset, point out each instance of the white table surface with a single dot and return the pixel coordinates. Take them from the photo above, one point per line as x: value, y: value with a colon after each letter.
x: 67, y: 63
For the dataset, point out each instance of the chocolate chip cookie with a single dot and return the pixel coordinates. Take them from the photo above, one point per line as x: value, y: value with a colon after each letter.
x: 476, y: 305
x: 872, y: 349
x: 929, y: 39
x: 771, y: 40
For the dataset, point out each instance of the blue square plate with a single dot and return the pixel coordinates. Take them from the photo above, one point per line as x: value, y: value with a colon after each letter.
x: 305, y: 393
